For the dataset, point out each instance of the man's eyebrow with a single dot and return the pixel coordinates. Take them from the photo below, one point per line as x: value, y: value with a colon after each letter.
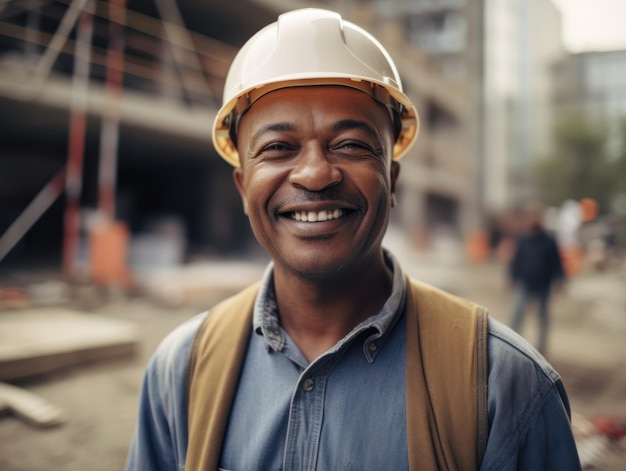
x: 272, y: 127
x: 347, y: 124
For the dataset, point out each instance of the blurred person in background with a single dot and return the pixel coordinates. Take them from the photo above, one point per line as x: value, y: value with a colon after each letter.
x: 535, y: 271
x: 337, y: 359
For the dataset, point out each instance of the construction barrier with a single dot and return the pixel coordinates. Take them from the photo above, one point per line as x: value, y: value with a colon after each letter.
x: 108, y: 254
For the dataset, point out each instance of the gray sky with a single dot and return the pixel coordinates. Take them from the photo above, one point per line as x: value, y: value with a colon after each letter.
x: 593, y: 25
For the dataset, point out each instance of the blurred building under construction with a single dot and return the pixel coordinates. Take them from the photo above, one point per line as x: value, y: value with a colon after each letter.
x: 106, y: 110
x: 119, y: 98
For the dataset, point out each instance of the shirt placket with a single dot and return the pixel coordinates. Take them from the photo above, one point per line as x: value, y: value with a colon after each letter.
x: 306, y: 416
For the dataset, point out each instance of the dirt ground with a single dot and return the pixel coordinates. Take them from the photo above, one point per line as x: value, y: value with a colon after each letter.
x: 101, y: 399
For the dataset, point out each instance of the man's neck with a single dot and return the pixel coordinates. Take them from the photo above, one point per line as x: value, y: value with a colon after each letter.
x: 317, y: 313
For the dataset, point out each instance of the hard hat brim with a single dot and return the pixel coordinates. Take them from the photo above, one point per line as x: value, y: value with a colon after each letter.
x: 233, y: 109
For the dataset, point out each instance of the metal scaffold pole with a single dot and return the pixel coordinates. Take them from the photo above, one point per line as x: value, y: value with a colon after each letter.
x: 31, y: 213
x: 109, y: 135
x: 76, y: 148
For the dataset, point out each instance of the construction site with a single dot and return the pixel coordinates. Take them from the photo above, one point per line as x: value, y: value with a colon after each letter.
x: 118, y: 221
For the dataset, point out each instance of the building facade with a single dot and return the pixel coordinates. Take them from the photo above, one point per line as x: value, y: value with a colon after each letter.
x: 593, y: 85
x: 522, y: 43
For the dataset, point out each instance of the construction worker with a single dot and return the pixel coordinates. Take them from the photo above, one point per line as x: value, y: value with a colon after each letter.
x: 535, y: 271
x: 337, y: 359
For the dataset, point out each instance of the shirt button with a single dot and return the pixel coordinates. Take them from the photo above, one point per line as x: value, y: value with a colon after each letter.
x: 308, y: 385
x: 372, y: 347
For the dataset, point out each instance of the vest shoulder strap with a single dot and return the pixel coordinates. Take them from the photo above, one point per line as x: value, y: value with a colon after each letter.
x: 213, y: 369
x: 446, y: 379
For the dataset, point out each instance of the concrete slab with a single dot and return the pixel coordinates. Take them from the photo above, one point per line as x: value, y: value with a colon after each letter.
x: 38, y: 341
x: 196, y: 282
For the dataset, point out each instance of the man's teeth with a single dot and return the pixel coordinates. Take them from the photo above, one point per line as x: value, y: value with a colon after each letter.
x: 315, y: 216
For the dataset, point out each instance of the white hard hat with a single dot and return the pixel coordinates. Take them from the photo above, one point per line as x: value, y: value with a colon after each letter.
x: 309, y: 47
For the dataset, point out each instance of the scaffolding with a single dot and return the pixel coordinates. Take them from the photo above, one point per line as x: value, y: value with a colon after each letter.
x: 84, y: 42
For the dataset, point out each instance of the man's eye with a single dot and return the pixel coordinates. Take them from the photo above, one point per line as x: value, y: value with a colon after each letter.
x: 275, y: 151
x: 353, y: 147
x: 275, y: 148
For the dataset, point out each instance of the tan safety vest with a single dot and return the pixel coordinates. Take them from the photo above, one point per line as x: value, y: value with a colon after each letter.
x: 446, y: 379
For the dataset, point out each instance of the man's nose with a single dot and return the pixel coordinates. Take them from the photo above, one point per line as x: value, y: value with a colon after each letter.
x: 315, y: 170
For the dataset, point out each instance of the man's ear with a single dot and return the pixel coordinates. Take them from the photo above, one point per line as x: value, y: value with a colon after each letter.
x: 239, y: 183
x: 394, y: 172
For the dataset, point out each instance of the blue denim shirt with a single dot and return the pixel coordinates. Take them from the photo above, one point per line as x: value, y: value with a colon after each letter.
x: 346, y: 409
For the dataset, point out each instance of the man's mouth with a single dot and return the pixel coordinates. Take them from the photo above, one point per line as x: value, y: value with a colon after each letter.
x: 318, y: 216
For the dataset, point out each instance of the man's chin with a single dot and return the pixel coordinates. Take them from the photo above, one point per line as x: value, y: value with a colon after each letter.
x: 319, y: 270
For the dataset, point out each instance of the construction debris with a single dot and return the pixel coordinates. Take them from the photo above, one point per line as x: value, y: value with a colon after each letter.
x: 597, y: 437
x: 31, y: 408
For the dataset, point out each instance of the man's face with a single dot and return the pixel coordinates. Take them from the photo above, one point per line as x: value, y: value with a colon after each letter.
x: 316, y: 178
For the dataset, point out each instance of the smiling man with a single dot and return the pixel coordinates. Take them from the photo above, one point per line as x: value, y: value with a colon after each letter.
x: 317, y: 180
x: 337, y: 360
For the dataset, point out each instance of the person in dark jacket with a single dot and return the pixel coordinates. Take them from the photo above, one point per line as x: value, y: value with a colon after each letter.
x: 535, y: 270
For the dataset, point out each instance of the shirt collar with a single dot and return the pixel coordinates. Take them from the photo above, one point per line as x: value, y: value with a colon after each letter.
x: 265, y: 315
